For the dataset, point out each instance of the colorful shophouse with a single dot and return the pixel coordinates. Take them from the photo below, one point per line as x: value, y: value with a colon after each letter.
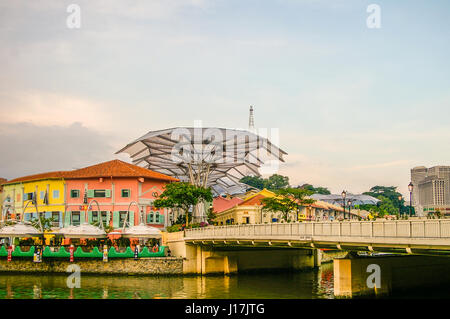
x: 115, y: 186
x: 65, y: 195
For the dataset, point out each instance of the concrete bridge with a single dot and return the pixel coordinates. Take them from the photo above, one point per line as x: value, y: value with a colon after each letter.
x: 229, y: 249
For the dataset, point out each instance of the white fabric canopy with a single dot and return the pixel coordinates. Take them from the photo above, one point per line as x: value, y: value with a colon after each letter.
x: 83, y: 231
x: 215, y: 157
x: 141, y: 231
x: 19, y: 230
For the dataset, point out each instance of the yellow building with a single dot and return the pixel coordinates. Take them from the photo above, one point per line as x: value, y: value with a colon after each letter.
x: 249, y: 211
x: 48, y: 189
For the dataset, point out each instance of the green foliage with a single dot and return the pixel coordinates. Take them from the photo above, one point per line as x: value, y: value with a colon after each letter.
x: 287, y: 200
x: 316, y: 190
x: 254, y: 181
x: 274, y: 182
x: 183, y: 196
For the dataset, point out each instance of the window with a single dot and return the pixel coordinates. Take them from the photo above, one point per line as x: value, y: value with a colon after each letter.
x: 104, y: 217
x: 28, y: 196
x: 75, y: 218
x: 99, y: 193
x: 157, y: 218
x: 75, y: 193
x: 126, y: 193
x: 42, y: 195
x: 56, y: 194
x: 122, y: 216
x: 150, y: 218
x: 55, y: 216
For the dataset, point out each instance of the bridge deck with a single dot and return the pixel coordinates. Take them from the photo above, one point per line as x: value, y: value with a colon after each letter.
x: 421, y: 237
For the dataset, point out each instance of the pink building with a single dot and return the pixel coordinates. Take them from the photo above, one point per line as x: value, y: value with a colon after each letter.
x: 114, y: 185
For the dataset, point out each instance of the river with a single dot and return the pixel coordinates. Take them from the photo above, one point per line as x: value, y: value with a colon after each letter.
x: 311, y: 284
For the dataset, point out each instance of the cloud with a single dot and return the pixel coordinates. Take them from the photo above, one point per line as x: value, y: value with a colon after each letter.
x: 28, y: 148
x: 46, y: 109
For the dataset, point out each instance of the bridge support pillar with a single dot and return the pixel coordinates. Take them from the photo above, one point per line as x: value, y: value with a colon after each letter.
x: 383, y: 275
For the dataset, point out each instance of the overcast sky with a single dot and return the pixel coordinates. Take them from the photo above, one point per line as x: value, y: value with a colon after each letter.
x: 355, y: 106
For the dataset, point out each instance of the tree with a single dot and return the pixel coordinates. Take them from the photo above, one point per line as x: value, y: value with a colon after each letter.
x: 276, y: 182
x: 254, y: 181
x: 316, y: 190
x: 183, y: 196
x: 287, y: 200
x: 389, y: 192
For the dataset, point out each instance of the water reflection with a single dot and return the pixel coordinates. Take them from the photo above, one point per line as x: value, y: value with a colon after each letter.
x: 306, y: 284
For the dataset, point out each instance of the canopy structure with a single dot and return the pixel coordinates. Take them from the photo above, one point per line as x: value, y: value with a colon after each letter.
x: 141, y: 231
x: 357, y: 199
x: 85, y: 230
x: 19, y: 230
x: 207, y: 157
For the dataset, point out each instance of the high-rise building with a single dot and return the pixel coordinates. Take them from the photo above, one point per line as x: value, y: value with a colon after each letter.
x: 431, y: 191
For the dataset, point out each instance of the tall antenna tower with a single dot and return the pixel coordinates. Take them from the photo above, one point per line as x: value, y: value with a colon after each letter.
x: 251, y: 119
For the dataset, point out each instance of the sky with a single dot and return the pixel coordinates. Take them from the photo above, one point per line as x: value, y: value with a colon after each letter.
x: 355, y: 106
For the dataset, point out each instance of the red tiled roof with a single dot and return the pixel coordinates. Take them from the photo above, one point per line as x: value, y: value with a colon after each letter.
x: 117, y: 168
x: 48, y: 175
x: 255, y: 200
x: 220, y: 204
x: 114, y: 168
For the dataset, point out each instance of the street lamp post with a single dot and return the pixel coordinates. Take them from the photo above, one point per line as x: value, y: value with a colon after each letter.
x: 410, y: 188
x: 343, y: 194
x: 349, y: 203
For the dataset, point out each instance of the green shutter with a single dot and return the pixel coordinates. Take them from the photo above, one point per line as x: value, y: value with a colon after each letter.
x: 108, y: 218
x: 67, y: 218
x: 82, y: 217
x: 131, y: 218
x: 116, y: 217
x: 90, y: 193
x: 148, y: 218
x: 161, y: 219
x: 60, y: 219
x: 107, y: 193
x: 90, y: 217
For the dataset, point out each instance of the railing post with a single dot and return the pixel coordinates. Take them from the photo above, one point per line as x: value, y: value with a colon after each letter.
x: 340, y: 229
x: 371, y: 228
x: 439, y: 228
x: 410, y: 229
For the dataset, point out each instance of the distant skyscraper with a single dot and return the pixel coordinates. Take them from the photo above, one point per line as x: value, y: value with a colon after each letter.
x: 251, y: 119
x: 431, y: 189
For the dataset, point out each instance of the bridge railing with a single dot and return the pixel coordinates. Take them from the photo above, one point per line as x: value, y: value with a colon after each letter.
x: 401, y: 229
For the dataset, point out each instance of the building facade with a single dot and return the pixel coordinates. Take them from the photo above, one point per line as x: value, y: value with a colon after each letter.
x: 249, y: 211
x: 431, y: 192
x: 71, y: 197
x: 116, y: 186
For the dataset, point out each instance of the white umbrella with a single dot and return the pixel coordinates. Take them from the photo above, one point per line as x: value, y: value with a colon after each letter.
x: 142, y: 231
x: 85, y: 230
x: 19, y: 230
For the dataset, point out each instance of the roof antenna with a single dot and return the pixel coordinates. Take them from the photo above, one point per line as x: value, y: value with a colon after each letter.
x: 251, y: 119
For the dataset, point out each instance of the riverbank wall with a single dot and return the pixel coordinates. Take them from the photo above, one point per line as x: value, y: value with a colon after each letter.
x: 126, y: 266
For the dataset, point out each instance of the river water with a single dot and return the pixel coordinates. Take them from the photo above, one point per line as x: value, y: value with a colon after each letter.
x: 311, y: 284
x: 299, y: 285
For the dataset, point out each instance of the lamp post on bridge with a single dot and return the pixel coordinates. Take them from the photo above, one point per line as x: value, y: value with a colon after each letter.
x: 349, y: 203
x: 410, y: 188
x: 343, y: 194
